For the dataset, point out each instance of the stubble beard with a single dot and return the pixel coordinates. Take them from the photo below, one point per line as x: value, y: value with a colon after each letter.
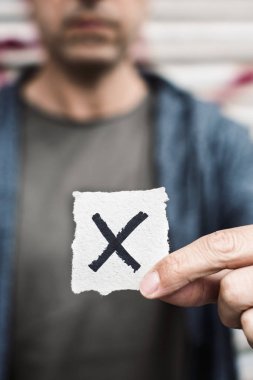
x: 85, y: 70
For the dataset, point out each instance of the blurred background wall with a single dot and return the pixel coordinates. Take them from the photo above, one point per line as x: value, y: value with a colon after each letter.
x: 205, y: 46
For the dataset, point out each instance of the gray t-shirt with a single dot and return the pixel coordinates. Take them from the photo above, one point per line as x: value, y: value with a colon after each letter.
x: 59, y: 335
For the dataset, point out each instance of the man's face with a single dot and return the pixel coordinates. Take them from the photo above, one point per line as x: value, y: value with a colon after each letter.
x: 88, y: 31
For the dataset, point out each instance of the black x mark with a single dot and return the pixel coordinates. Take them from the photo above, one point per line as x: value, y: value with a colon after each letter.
x: 115, y: 241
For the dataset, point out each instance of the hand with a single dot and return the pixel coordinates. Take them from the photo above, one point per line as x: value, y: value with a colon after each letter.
x: 215, y: 268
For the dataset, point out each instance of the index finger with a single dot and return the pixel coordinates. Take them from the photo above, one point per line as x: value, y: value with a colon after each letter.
x: 227, y: 249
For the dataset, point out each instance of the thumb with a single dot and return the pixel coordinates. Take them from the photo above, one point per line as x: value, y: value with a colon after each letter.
x: 228, y: 249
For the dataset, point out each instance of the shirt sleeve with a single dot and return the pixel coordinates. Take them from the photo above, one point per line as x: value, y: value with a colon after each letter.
x: 235, y: 173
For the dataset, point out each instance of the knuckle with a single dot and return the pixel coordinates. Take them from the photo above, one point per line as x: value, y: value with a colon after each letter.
x: 222, y: 244
x: 230, y: 292
x: 232, y: 323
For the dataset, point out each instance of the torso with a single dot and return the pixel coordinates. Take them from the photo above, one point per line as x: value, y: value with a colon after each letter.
x: 57, y: 334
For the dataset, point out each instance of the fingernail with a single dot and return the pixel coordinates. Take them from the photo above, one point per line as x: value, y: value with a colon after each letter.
x: 150, y: 284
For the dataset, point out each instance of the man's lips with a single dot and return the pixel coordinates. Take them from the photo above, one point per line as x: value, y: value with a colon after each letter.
x: 89, y: 24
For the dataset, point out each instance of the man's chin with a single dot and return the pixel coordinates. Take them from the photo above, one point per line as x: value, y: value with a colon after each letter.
x: 93, y: 57
x: 87, y: 67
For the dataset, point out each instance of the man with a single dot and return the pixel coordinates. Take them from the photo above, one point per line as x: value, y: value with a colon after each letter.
x: 88, y: 120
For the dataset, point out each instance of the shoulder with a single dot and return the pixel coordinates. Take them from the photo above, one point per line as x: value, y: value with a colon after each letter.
x: 203, y: 119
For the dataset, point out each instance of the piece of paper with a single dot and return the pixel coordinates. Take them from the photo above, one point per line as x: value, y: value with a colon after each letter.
x: 119, y: 237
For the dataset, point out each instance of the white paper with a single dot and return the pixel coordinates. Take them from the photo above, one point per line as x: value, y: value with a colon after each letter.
x: 146, y: 244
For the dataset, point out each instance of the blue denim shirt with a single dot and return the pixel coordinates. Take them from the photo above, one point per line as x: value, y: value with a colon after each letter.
x: 204, y: 160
